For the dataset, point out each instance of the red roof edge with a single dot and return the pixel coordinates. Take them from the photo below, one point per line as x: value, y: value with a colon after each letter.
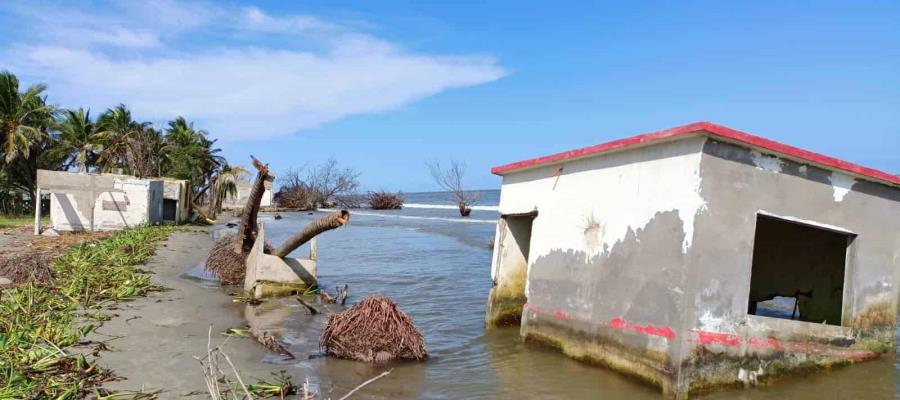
x: 714, y: 130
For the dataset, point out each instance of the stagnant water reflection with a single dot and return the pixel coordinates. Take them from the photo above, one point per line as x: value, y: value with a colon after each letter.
x: 436, y: 267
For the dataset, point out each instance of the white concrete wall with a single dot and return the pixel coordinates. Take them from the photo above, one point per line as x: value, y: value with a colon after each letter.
x: 65, y: 214
x: 595, y: 201
x: 136, y: 202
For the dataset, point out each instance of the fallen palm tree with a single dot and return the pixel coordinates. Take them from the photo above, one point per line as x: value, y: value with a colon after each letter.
x: 228, y: 258
x: 375, y: 330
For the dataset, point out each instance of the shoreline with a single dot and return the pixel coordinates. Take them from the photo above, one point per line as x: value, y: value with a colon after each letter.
x: 154, y: 339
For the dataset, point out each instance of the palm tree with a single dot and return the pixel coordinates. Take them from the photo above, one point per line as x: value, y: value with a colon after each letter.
x: 78, y: 136
x: 20, y: 116
x: 191, y: 155
x: 224, y: 183
x: 116, y: 128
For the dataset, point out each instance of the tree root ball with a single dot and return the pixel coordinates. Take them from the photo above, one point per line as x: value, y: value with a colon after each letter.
x: 375, y: 330
x: 228, y: 265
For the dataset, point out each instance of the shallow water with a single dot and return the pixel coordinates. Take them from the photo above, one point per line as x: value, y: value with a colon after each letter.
x: 436, y: 266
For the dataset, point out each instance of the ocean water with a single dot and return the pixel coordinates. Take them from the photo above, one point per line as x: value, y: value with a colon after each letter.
x: 436, y: 266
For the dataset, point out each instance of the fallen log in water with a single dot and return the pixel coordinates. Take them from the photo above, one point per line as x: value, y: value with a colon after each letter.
x: 326, y: 223
x: 375, y: 330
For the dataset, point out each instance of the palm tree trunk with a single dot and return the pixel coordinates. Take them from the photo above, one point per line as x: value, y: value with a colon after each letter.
x: 331, y: 221
x: 247, y: 230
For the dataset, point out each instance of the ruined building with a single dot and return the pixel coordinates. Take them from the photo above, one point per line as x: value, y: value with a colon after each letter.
x: 699, y: 257
x: 88, y: 202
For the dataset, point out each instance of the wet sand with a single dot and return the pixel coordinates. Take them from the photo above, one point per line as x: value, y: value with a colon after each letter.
x: 159, y: 335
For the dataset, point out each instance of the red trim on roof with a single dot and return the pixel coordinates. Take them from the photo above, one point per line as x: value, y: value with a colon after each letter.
x: 714, y: 130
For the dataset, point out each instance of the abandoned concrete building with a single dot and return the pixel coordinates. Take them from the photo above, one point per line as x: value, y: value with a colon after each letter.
x: 243, y: 192
x: 80, y: 201
x: 699, y: 257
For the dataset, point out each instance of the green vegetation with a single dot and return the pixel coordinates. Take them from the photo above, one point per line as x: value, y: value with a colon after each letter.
x: 36, y: 135
x: 40, y: 323
x: 12, y: 221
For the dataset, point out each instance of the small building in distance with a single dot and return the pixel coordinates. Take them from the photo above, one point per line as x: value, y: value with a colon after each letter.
x: 699, y: 257
x: 88, y: 202
x: 243, y: 193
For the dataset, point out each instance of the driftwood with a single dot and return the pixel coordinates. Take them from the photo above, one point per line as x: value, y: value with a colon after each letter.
x: 309, y: 308
x: 375, y: 330
x: 268, y: 341
x: 331, y: 221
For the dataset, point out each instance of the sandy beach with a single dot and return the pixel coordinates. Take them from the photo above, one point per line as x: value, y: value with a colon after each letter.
x: 154, y: 340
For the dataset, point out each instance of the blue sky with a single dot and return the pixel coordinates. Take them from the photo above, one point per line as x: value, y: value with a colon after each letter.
x: 385, y: 87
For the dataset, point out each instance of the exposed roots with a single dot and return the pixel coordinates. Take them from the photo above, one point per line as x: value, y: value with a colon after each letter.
x: 228, y: 265
x: 225, y: 262
x: 375, y: 330
x: 20, y: 269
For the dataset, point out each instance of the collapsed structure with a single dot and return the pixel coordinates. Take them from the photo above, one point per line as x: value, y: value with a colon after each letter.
x: 699, y: 257
x: 89, y: 201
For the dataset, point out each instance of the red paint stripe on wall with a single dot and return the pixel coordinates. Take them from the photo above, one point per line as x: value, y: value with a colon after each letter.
x: 648, y: 330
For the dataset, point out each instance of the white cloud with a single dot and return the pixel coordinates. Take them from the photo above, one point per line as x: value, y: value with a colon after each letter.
x: 237, y: 91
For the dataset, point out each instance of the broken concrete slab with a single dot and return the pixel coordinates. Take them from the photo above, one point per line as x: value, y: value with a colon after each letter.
x: 268, y: 275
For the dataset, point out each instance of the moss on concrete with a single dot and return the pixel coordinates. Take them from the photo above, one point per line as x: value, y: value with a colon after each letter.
x: 277, y: 289
x: 647, y: 366
x: 506, y: 300
x: 504, y: 311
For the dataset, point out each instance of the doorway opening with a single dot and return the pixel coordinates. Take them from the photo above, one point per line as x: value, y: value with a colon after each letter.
x: 170, y: 209
x: 511, y: 269
x: 798, y: 271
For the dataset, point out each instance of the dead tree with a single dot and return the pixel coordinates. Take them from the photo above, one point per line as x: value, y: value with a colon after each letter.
x: 331, y: 221
x: 450, y: 179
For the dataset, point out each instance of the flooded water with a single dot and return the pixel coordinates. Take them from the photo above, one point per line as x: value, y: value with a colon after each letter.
x: 436, y: 266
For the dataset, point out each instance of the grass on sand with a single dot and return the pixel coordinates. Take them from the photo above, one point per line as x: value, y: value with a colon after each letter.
x: 39, y: 323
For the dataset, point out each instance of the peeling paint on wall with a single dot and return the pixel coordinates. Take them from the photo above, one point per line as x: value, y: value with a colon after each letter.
x: 842, y: 184
x: 766, y: 162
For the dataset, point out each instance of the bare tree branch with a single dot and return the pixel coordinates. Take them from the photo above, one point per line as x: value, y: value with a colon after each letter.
x: 450, y: 179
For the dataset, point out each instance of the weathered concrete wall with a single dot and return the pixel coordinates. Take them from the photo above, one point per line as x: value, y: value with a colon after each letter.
x: 509, y: 268
x: 100, y: 201
x: 608, y: 252
x: 132, y: 202
x: 723, y: 344
x: 641, y: 260
x: 268, y: 275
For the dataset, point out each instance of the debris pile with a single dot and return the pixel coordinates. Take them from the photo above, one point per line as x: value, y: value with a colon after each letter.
x: 375, y: 330
x: 20, y: 269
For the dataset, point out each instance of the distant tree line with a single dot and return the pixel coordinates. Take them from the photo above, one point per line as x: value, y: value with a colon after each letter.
x: 36, y: 135
x: 329, y: 185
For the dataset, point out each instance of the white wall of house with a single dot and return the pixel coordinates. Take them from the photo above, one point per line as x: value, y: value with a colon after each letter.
x: 593, y: 202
